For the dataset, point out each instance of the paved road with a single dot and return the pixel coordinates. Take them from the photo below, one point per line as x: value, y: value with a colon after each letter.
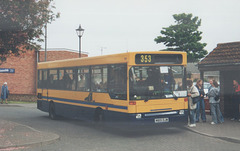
x: 78, y: 135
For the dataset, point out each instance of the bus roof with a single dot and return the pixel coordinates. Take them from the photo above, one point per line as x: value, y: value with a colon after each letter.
x: 105, y: 59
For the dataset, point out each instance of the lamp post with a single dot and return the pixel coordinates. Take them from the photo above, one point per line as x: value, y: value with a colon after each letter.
x: 80, y: 32
x: 45, y: 42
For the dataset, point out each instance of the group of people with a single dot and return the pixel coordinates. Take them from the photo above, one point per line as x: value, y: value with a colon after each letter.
x: 196, y: 102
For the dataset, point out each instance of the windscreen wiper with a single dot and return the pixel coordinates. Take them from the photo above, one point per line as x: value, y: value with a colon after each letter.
x: 175, y: 97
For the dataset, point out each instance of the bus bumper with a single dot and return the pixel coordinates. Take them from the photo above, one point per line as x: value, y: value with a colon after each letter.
x: 170, y: 119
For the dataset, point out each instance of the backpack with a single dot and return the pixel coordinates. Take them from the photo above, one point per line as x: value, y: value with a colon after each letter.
x: 217, y: 97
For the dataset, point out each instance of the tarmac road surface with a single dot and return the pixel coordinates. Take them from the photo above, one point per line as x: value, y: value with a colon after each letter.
x: 74, y: 135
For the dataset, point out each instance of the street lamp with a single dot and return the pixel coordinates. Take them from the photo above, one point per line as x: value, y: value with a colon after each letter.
x: 80, y: 32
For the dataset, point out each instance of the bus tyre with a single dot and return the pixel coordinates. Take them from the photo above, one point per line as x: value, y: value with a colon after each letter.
x: 52, y: 113
x: 98, y: 115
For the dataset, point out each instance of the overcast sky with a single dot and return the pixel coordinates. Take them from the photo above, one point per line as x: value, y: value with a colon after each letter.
x: 117, y: 26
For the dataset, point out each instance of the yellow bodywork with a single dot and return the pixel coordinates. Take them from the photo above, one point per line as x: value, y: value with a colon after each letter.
x: 104, y: 99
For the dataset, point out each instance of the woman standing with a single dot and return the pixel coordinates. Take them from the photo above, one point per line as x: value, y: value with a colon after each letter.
x: 200, y: 104
x: 4, y: 93
x: 215, y: 104
x: 192, y: 93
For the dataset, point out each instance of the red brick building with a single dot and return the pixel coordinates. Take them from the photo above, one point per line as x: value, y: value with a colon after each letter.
x: 22, y: 78
x: 59, y: 54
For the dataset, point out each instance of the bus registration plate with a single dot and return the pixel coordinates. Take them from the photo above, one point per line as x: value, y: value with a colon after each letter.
x: 161, y: 120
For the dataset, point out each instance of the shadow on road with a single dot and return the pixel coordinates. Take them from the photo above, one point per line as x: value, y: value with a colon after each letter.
x: 124, y: 131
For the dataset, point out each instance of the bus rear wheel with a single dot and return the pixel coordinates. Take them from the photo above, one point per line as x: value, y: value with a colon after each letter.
x: 52, y: 113
x: 98, y: 116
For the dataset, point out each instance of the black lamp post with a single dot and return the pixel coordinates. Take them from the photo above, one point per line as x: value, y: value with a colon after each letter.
x: 80, y: 32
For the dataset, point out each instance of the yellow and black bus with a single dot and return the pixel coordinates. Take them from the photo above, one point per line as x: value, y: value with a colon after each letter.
x: 133, y: 88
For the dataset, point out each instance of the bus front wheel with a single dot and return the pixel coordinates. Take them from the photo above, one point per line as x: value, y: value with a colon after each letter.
x: 52, y: 113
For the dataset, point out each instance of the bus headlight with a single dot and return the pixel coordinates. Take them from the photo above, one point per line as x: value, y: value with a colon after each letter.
x: 181, y: 112
x: 138, y: 116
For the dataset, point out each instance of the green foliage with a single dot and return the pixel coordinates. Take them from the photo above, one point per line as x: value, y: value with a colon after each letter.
x: 21, y: 24
x: 184, y: 36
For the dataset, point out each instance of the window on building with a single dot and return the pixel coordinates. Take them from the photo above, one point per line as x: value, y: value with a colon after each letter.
x: 99, y: 79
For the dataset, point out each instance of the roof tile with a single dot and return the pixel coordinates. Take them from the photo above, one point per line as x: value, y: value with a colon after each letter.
x: 224, y: 53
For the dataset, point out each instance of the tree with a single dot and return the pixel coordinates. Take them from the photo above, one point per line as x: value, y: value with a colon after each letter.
x: 21, y: 24
x: 184, y: 36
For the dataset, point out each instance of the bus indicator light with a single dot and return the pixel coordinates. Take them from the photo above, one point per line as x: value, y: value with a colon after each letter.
x: 132, y: 103
x: 106, y: 107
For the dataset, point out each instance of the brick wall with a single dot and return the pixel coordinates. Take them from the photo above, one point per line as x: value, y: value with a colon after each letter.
x: 23, y: 80
x: 22, y: 97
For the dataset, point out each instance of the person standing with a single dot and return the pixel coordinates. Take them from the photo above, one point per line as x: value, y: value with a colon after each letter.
x: 235, y: 99
x: 215, y: 104
x: 211, y: 85
x: 200, y: 104
x: 4, y: 93
x: 192, y: 93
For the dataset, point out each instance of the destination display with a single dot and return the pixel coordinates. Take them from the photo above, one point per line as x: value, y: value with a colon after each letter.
x: 158, y: 59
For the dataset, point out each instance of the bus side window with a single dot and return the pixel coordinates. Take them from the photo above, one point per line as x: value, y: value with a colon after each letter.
x: 40, y: 78
x: 99, y: 79
x: 44, y: 79
x: 118, y: 82
x: 60, y: 79
x: 53, y: 78
x: 83, y: 79
x: 67, y: 80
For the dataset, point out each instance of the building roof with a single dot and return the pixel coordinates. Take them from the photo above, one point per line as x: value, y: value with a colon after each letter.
x: 223, y: 54
x: 59, y: 54
x: 63, y: 49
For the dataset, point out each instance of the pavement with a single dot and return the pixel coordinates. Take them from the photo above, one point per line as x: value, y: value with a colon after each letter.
x: 228, y: 131
x: 17, y: 136
x: 14, y: 135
